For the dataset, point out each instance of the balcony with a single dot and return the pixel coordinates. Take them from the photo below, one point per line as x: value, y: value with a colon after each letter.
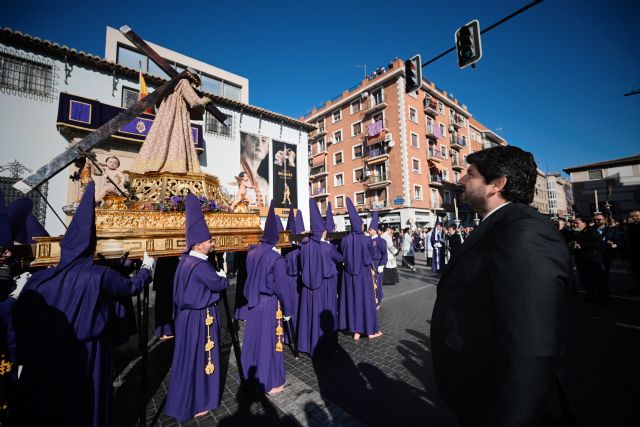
x: 322, y: 151
x: 457, y: 164
x: 378, y: 205
x: 376, y: 155
x: 457, y: 142
x: 317, y: 133
x: 377, y: 181
x: 435, y: 180
x: 373, y: 105
x: 431, y: 108
x: 317, y: 172
x: 435, y: 156
x: 457, y: 121
x: 318, y: 193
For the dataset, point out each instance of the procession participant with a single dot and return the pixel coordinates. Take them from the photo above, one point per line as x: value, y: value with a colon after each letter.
x: 163, y: 286
x: 357, y: 300
x: 300, y: 222
x: 437, y: 243
x: 61, y: 322
x: 18, y: 212
x: 7, y: 284
x: 379, y: 258
x: 292, y: 258
x: 194, y: 388
x: 408, y: 252
x: 391, y: 268
x: 267, y: 296
x: 318, y: 294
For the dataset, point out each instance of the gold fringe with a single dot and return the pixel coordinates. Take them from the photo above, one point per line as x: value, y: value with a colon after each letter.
x: 279, y: 330
x: 208, y: 321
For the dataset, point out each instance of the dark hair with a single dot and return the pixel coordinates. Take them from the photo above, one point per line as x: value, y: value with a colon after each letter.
x: 112, y: 157
x: 513, y: 163
x: 455, y: 227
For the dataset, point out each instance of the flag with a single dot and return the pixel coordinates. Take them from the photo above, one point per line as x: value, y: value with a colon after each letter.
x: 144, y: 92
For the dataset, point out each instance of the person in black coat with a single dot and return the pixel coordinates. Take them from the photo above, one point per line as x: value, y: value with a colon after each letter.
x: 454, y: 240
x: 587, y: 249
x: 498, y: 326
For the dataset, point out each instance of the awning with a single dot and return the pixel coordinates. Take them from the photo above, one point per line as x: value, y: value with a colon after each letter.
x: 317, y: 161
x: 437, y: 165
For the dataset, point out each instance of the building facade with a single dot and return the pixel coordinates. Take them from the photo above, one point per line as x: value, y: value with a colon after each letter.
x: 615, y: 183
x: 401, y: 154
x: 52, y: 96
x: 541, y: 195
x: 560, y: 195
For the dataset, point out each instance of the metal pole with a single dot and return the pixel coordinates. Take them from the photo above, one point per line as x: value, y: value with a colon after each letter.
x: 51, y: 207
x: 234, y: 337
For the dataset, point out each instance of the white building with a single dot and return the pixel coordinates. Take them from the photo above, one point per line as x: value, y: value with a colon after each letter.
x: 42, y: 81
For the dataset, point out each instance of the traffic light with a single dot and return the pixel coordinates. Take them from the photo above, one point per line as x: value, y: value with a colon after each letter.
x: 468, y: 44
x: 413, y: 73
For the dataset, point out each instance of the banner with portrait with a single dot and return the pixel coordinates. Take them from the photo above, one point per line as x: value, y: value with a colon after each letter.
x: 253, y: 177
x: 285, y: 189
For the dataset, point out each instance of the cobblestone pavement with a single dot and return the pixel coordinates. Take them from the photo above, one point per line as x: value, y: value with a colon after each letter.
x: 389, y: 380
x: 380, y: 382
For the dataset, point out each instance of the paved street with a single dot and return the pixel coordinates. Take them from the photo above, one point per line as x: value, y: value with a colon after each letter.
x: 389, y: 381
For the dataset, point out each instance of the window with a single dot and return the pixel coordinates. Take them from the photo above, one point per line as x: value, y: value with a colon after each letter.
x: 356, y: 129
x: 320, y: 125
x: 445, y: 175
x: 429, y: 125
x: 452, y: 113
x: 443, y: 130
x: 413, y: 115
x: 32, y: 76
x: 417, y: 192
x: 339, y: 200
x: 211, y: 85
x: 336, y: 116
x: 415, y: 165
x: 415, y: 141
x: 358, y: 175
x: 440, y: 107
x: 377, y: 97
x: 132, y: 59
x: 212, y: 125
x: 129, y: 96
x: 435, y: 198
x: 356, y: 106
x: 456, y: 177
x: 337, y: 137
x: 359, y: 198
x: 357, y: 151
x: 338, y: 180
x: 595, y: 174
x: 337, y: 158
x: 443, y: 151
x: 232, y: 92
x: 447, y: 197
x: 321, y: 146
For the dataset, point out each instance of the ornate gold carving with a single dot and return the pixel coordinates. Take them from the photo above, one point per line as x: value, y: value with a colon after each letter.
x: 153, y: 187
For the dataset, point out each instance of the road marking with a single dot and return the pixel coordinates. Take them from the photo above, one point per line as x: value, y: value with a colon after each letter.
x: 409, y: 291
x: 616, y: 323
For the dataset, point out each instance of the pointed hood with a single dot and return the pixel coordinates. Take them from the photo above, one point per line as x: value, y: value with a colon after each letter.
x: 354, y: 218
x: 271, y: 235
x: 80, y: 239
x: 196, y: 226
x: 328, y: 223
x: 18, y: 212
x: 279, y: 223
x: 317, y: 224
x: 291, y: 222
x: 374, y: 221
x: 34, y: 229
x: 6, y: 238
x: 300, y: 222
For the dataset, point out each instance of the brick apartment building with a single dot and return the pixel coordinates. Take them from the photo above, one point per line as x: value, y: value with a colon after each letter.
x: 401, y: 154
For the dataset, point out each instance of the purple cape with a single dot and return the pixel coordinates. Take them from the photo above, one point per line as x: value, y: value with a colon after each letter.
x: 196, y: 291
x: 379, y: 257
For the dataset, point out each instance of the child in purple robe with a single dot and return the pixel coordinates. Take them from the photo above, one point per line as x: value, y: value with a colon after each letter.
x: 357, y: 299
x: 268, y: 303
x: 61, y: 322
x: 195, y: 370
x: 318, y: 321
x: 378, y: 257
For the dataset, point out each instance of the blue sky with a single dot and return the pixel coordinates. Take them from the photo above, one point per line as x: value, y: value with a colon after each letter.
x: 550, y: 81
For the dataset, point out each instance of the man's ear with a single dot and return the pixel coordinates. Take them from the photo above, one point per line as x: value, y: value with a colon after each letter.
x: 498, y: 184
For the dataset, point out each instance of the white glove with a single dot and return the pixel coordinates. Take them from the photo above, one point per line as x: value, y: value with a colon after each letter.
x: 20, y: 282
x: 148, y: 262
x: 438, y: 245
x: 380, y: 268
x: 221, y: 273
x: 287, y: 318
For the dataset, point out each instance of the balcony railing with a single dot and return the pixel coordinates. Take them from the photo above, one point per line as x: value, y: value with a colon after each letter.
x: 378, y: 205
x: 435, y: 155
x: 457, y: 121
x: 373, y: 179
x: 319, y: 192
x: 455, y: 163
x: 458, y: 142
x: 373, y: 104
x: 317, y: 170
x: 431, y: 107
x: 435, y: 179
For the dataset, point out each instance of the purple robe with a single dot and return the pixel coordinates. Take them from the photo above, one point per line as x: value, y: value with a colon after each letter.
x: 266, y: 286
x: 196, y: 292
x: 357, y: 300
x: 437, y: 258
x: 292, y: 258
x: 318, y: 316
x: 379, y: 258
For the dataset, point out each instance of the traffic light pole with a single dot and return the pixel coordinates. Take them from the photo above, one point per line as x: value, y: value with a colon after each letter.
x: 489, y: 28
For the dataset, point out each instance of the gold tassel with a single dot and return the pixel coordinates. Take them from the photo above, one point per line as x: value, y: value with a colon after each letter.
x: 375, y: 285
x: 279, y: 330
x: 208, y: 321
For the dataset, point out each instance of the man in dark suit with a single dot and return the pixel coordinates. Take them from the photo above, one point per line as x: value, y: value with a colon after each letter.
x: 498, y: 326
x: 454, y: 240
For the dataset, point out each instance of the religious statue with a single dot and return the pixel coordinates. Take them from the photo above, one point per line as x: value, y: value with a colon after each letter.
x: 115, y: 179
x: 286, y: 194
x: 169, y: 146
x: 241, y: 202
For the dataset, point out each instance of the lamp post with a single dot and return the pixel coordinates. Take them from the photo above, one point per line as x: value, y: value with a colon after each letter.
x: 476, y: 220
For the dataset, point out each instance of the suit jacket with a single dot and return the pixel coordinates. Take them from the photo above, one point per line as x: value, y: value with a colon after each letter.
x: 498, y: 324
